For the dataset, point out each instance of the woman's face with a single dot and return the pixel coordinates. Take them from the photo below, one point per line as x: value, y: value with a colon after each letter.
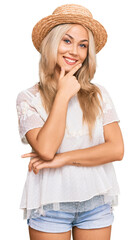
x: 72, y: 48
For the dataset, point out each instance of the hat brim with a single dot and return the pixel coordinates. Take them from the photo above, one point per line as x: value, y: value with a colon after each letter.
x: 42, y: 28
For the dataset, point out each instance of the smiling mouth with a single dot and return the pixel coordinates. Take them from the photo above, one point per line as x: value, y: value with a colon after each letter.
x: 70, y: 61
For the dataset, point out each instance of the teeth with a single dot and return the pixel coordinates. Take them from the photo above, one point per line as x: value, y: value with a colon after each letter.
x: 69, y: 60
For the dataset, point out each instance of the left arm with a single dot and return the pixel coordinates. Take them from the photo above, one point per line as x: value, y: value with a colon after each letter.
x: 111, y: 150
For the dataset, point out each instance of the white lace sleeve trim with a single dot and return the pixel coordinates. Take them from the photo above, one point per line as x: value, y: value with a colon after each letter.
x: 28, y: 115
x: 109, y: 111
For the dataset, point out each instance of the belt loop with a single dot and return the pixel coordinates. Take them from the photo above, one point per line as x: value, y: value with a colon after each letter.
x: 56, y: 206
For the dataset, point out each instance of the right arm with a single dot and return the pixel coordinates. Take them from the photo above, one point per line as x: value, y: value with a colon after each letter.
x: 47, y: 139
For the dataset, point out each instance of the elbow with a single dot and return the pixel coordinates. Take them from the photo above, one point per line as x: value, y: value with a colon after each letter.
x: 46, y: 156
x: 120, y: 157
x: 120, y: 152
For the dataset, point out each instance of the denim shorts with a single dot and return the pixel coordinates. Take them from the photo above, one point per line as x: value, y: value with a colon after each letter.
x: 59, y: 221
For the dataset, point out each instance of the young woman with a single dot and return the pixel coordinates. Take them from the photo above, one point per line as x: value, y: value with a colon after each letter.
x: 72, y: 127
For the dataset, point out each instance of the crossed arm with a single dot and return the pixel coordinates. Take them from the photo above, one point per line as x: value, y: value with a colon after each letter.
x: 111, y: 150
x: 45, y: 143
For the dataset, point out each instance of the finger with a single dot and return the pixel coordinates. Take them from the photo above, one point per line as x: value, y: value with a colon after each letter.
x: 42, y: 165
x: 62, y: 73
x: 32, y: 154
x: 32, y: 161
x: 74, y: 69
x: 37, y: 163
x: 30, y: 166
x: 35, y: 171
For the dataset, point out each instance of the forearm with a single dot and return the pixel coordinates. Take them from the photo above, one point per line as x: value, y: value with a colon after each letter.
x: 93, y: 156
x: 51, y: 134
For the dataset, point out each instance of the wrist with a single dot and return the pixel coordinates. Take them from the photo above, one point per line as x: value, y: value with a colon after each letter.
x: 69, y: 158
x: 65, y: 157
x: 62, y: 95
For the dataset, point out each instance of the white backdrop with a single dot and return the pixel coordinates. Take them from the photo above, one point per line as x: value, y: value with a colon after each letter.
x: 117, y: 70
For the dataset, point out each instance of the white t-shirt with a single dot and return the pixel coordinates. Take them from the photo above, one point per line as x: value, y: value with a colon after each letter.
x: 60, y: 186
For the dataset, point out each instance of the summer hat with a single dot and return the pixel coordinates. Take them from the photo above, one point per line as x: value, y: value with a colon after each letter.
x: 69, y: 13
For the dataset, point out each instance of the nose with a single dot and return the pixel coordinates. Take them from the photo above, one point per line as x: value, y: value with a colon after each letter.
x: 73, y: 49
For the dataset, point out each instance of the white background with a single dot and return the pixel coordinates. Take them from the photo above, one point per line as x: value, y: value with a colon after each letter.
x: 117, y: 70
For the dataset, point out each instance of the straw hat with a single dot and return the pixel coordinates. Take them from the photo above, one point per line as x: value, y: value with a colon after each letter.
x: 69, y: 13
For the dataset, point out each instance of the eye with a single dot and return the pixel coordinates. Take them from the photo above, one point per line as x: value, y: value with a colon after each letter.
x: 83, y: 45
x: 67, y: 40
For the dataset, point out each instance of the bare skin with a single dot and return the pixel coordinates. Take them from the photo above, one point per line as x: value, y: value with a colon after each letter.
x: 37, y: 235
x: 73, y: 46
x: 91, y: 234
x: 77, y: 233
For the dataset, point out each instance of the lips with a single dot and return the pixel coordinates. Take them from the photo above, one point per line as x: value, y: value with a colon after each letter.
x: 70, y: 61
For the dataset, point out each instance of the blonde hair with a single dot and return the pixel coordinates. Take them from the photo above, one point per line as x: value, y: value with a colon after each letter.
x: 88, y: 95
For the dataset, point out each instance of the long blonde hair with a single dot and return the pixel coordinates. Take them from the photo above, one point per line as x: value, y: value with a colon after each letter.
x: 88, y: 95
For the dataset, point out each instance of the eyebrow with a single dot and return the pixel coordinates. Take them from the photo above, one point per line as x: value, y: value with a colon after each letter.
x: 80, y: 41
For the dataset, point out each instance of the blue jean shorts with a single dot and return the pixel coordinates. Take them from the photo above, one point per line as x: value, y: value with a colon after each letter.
x: 59, y: 221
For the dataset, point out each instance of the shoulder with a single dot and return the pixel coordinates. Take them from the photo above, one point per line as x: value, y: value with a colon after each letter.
x: 101, y: 87
x: 26, y: 94
x: 106, y: 97
x: 103, y: 91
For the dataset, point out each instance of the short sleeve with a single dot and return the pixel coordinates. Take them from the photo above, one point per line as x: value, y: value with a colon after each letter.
x: 28, y: 117
x: 109, y: 111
